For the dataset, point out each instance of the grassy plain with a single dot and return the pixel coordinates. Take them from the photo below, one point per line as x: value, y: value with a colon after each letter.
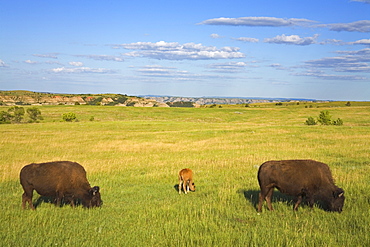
x: 134, y: 155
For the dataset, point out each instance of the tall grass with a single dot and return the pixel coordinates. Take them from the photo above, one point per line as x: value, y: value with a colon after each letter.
x: 134, y: 155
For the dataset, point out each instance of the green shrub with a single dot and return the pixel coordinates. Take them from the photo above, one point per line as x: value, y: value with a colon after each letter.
x: 325, y: 118
x: 5, y: 117
x: 18, y: 113
x: 310, y: 121
x: 338, y: 122
x: 69, y: 117
x: 34, y: 114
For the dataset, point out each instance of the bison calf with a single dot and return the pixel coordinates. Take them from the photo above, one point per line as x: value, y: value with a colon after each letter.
x: 307, y: 179
x: 186, y: 180
x: 60, y: 180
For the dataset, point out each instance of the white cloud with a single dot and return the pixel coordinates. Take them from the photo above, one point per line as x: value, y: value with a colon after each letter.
x: 81, y: 70
x: 48, y: 55
x: 357, y: 26
x: 325, y: 76
x: 362, y: 1
x: 279, y: 67
x: 160, y: 71
x: 176, y: 51
x: 350, y: 62
x: 332, y: 42
x: 171, y: 74
x: 246, y: 39
x: 31, y: 62
x: 292, y: 40
x: 231, y: 67
x: 103, y: 57
x: 256, y: 21
x: 215, y: 36
x: 361, y: 42
x: 77, y: 64
x: 3, y: 64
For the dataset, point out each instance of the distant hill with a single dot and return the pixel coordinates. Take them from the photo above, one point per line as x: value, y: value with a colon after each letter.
x: 222, y: 100
x: 20, y: 97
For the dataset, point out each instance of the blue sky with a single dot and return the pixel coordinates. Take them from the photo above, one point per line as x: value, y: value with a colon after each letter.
x: 267, y: 48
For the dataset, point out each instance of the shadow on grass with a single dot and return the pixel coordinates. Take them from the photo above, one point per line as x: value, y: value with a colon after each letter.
x: 253, y: 196
x: 52, y: 200
x: 176, y: 187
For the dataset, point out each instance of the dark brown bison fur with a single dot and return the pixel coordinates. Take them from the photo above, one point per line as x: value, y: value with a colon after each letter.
x: 61, y: 180
x: 303, y: 179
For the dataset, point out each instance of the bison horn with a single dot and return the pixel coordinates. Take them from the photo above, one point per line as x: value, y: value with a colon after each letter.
x: 94, y: 190
x: 339, y: 193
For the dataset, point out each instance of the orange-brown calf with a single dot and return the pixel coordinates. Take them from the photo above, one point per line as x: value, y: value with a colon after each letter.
x: 186, y: 180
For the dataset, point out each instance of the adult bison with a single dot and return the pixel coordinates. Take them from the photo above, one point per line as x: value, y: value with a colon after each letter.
x: 186, y: 180
x: 60, y: 180
x: 307, y: 179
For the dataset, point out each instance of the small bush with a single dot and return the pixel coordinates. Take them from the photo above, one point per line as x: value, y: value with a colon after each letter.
x: 18, y: 113
x: 324, y: 118
x: 34, y: 114
x: 69, y: 117
x: 5, y: 117
x: 338, y: 122
x: 310, y: 121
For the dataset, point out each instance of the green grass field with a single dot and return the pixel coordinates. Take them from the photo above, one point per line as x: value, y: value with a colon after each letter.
x: 134, y: 155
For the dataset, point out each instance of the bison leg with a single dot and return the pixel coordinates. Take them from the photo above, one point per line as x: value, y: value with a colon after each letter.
x: 27, y: 197
x: 265, y: 194
x: 180, y: 185
x: 300, y: 198
x: 268, y: 198
x: 310, y: 201
x: 185, y: 186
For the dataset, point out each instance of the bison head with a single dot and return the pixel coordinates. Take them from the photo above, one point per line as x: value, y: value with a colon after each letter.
x: 94, y: 198
x: 337, y: 200
x: 192, y: 186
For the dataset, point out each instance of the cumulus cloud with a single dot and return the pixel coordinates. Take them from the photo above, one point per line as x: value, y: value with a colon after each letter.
x: 176, y: 51
x: 292, y: 40
x: 79, y: 70
x: 77, y: 64
x: 103, y: 57
x: 256, y: 21
x: 357, y: 26
x: 246, y: 39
